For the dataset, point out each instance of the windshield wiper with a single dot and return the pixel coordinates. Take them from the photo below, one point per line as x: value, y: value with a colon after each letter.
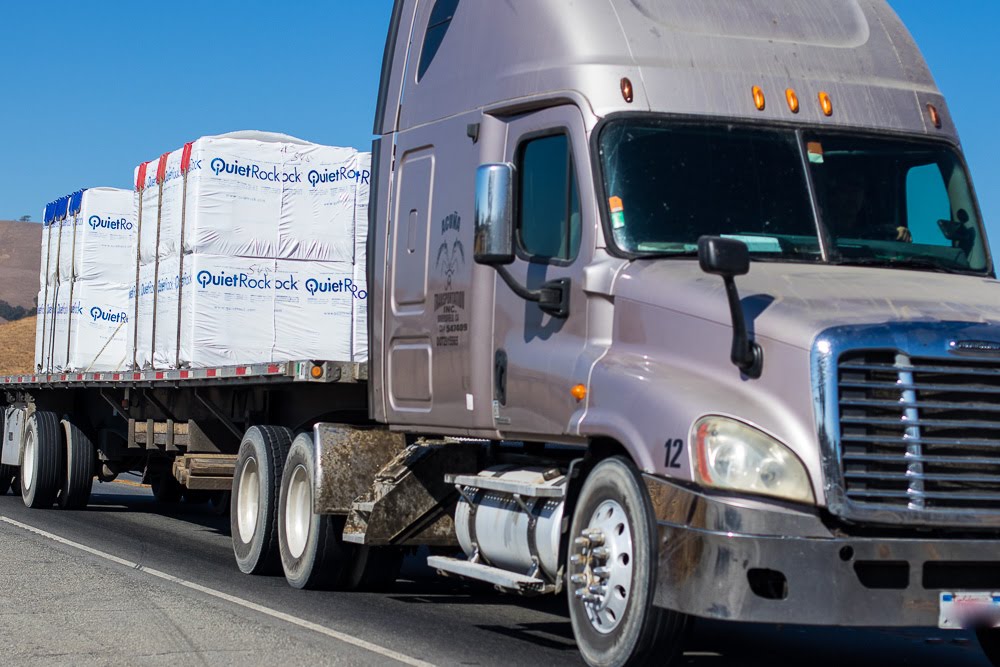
x: 896, y: 263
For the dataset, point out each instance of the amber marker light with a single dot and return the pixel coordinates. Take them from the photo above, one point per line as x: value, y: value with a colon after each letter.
x: 317, y: 371
x: 627, y: 92
x: 758, y: 98
x: 826, y: 103
x: 579, y: 392
x: 935, y: 115
x: 793, y: 100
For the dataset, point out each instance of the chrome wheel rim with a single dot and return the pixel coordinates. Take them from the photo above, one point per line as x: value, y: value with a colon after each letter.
x: 601, y: 566
x: 298, y: 512
x: 248, y: 503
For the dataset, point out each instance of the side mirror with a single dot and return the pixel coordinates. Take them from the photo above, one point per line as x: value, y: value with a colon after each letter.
x: 723, y: 257
x: 494, y: 241
x: 730, y: 258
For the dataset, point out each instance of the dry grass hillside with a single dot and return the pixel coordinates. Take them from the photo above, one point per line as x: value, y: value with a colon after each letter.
x: 20, y: 258
x: 17, y: 346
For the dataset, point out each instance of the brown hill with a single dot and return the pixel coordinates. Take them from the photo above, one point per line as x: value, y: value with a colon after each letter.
x: 17, y: 346
x: 20, y: 260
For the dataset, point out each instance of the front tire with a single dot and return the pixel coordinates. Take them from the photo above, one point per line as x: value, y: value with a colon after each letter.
x: 611, y: 576
x: 253, y: 513
x: 313, y: 555
x: 42, y: 462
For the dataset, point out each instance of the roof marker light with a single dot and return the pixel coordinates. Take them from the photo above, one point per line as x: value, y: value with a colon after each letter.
x: 579, y: 392
x: 935, y: 116
x: 793, y: 100
x: 826, y: 103
x: 627, y: 92
x: 758, y: 98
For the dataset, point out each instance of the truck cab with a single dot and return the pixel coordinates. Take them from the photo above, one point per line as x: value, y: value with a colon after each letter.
x: 728, y: 251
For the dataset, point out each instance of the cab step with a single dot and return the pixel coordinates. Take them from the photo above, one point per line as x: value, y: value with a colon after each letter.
x: 502, y: 579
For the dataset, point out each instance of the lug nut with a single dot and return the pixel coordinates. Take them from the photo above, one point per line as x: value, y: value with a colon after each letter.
x: 595, y: 535
x: 597, y: 590
x: 578, y: 579
x: 600, y: 553
x: 577, y: 559
x: 582, y: 542
x: 603, y: 572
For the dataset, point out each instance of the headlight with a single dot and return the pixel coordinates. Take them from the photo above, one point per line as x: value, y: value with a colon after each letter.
x: 731, y: 455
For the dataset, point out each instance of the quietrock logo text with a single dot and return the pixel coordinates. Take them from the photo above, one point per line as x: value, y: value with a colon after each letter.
x: 255, y: 171
x: 97, y: 222
x: 314, y: 287
x: 100, y: 315
x: 343, y: 174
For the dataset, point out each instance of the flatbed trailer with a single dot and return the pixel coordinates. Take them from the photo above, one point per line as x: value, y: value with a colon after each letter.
x: 156, y: 422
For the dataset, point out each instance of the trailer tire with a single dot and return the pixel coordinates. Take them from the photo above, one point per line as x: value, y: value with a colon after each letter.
x: 621, y: 626
x: 78, y: 477
x: 253, y: 514
x: 42, y: 462
x: 7, y: 476
x: 375, y: 569
x: 313, y: 553
x: 166, y: 489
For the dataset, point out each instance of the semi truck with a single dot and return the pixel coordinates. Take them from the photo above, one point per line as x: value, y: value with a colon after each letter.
x: 678, y: 309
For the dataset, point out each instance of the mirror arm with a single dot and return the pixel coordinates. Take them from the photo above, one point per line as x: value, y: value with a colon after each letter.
x: 746, y: 354
x: 552, y: 298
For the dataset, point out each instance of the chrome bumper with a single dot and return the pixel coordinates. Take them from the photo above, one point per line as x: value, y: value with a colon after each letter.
x: 749, y: 560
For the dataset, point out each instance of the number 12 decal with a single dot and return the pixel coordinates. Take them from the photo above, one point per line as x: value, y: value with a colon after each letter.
x: 674, y: 450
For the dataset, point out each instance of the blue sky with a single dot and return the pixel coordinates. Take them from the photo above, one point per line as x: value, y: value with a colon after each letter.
x: 91, y: 89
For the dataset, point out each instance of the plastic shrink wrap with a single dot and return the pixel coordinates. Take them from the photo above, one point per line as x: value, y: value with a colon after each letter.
x: 247, y: 253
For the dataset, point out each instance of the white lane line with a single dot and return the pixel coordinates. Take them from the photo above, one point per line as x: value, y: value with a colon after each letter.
x: 273, y: 613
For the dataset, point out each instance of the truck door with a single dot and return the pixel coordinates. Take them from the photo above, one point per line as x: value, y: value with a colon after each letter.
x: 537, y: 355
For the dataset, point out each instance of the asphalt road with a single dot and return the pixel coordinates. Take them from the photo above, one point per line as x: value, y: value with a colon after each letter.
x: 128, y: 581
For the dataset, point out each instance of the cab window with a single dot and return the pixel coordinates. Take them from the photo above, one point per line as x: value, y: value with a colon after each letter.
x: 548, y: 205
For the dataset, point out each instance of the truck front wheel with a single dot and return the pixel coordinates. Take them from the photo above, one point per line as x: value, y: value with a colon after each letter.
x: 611, y: 576
x: 253, y: 513
x: 313, y: 554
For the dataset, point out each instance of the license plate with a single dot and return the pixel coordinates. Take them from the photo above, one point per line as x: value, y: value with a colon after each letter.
x: 966, y: 610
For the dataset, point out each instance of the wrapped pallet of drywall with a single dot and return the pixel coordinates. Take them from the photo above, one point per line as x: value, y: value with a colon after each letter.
x: 263, y: 216
x: 91, y: 253
x: 250, y: 194
x: 53, y: 217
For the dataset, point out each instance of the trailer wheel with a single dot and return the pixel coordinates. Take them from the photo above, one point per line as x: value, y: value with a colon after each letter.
x: 7, y: 476
x: 611, y: 579
x: 42, y: 462
x: 313, y: 553
x: 253, y: 513
x: 78, y: 477
x: 166, y: 489
x: 375, y: 569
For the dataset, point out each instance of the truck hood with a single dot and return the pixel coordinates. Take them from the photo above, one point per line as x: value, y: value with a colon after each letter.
x: 793, y: 303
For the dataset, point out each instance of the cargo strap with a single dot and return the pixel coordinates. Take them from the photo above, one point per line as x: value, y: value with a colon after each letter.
x: 140, y: 186
x: 161, y: 177
x: 72, y: 290
x: 52, y: 332
x: 41, y: 363
x: 185, y: 168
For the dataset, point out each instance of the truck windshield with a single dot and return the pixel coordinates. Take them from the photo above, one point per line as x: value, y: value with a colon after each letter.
x: 882, y: 202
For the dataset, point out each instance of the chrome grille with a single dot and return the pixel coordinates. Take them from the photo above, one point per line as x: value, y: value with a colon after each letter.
x: 919, y: 433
